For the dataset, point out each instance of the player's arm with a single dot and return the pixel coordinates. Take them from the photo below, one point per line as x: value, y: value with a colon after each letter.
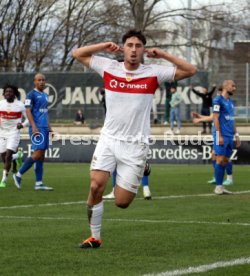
x: 25, y: 123
x: 84, y: 54
x: 219, y: 137
x: 237, y: 138
x: 212, y: 90
x: 184, y: 69
x: 197, y: 92
x: 198, y: 118
x: 31, y: 121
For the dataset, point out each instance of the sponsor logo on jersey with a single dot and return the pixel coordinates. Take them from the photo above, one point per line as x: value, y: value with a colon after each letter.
x: 146, y: 85
x: 10, y: 115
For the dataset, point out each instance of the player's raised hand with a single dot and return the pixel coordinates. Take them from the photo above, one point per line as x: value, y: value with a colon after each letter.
x: 112, y: 47
x: 154, y: 53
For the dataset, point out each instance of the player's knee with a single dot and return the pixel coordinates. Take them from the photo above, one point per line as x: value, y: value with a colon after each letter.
x: 95, y: 188
x: 122, y: 205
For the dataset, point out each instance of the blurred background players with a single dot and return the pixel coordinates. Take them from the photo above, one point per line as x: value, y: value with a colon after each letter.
x: 145, y: 184
x: 175, y: 110
x: 11, y: 113
x: 36, y: 104
x: 79, y: 118
x: 206, y: 104
x: 168, y: 86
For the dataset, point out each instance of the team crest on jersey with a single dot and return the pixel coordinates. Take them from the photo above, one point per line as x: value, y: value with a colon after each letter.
x: 129, y: 77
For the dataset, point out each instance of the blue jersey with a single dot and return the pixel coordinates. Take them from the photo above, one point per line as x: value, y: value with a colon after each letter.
x: 38, y: 103
x: 225, y: 108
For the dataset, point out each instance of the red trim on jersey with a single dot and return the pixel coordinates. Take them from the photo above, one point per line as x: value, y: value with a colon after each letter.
x: 10, y: 115
x: 146, y: 85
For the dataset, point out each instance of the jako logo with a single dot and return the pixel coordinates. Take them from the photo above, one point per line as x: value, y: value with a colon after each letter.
x: 113, y: 83
x: 52, y: 93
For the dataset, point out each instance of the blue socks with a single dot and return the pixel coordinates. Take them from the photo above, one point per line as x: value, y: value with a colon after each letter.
x: 229, y: 168
x: 214, y: 163
x: 39, y: 170
x: 144, y: 181
x: 219, y: 173
x: 27, y: 165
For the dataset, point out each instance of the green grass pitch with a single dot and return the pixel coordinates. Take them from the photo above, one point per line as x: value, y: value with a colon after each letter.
x: 184, y: 225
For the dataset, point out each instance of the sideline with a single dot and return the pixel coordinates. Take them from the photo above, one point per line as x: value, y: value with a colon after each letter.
x: 203, y: 268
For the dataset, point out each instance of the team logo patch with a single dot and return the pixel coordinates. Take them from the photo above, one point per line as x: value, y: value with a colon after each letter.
x: 129, y: 77
x: 216, y: 107
x: 27, y: 102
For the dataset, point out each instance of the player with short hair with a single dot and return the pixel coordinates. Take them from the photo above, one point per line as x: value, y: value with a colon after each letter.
x: 198, y: 118
x: 123, y: 143
x: 11, y: 113
x: 225, y: 130
x: 36, y: 104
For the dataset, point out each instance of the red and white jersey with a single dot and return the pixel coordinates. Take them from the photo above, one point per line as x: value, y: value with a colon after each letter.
x: 129, y: 96
x: 10, y: 115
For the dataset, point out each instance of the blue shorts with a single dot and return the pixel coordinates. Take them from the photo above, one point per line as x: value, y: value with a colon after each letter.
x: 226, y: 149
x: 41, y: 141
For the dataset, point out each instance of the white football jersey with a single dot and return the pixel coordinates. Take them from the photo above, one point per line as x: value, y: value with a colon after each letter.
x: 129, y: 96
x: 10, y: 115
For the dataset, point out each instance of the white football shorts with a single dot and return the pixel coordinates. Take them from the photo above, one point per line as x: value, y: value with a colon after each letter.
x: 10, y: 143
x: 128, y: 158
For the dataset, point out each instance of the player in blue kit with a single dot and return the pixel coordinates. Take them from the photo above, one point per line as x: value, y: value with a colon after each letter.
x: 225, y: 130
x: 36, y: 104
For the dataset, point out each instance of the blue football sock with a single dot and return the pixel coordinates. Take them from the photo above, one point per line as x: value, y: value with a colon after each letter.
x: 219, y: 173
x: 144, y: 181
x: 114, y: 178
x: 39, y: 170
x: 229, y: 168
x: 27, y: 165
x: 214, y: 163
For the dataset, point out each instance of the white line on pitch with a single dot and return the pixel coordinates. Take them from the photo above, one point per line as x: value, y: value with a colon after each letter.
x: 139, y: 198
x: 131, y: 220
x: 203, y: 268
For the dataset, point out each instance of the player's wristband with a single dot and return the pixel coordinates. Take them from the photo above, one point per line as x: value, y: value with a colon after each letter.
x: 237, y: 134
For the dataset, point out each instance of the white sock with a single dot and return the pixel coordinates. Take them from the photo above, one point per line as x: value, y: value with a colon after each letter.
x: 230, y: 177
x: 146, y: 189
x: 14, y: 156
x: 18, y: 174
x: 5, y: 176
x: 96, y: 220
x: 39, y: 183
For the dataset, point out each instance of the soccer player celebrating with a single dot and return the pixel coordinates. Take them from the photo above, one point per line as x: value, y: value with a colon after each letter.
x: 11, y: 112
x: 123, y: 143
x: 223, y: 116
x: 36, y: 104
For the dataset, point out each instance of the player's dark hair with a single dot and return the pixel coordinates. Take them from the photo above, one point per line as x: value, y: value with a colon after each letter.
x: 135, y: 33
x: 14, y: 88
